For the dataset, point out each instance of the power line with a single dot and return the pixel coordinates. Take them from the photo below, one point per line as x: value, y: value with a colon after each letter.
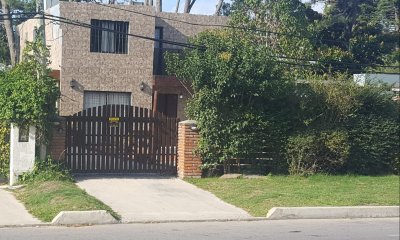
x: 81, y: 24
x: 221, y: 25
x: 203, y: 48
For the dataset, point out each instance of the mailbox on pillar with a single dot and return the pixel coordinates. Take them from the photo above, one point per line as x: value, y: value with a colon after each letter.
x: 22, y: 150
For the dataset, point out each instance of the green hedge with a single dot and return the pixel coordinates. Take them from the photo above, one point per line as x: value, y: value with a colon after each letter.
x: 374, y: 145
x: 310, y: 153
x: 4, y: 149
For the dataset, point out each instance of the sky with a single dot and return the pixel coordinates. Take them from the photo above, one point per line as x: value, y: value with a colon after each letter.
x: 207, y: 7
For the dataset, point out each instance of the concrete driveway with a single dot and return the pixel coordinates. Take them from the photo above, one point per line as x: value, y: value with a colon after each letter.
x: 154, y: 198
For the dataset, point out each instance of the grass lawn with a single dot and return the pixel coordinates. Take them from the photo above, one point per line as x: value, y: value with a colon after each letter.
x: 257, y: 196
x: 45, y: 199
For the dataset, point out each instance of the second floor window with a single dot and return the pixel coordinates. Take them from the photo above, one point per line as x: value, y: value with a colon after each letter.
x: 109, y: 36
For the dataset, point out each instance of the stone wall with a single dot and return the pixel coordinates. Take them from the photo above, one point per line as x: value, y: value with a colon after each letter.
x: 105, y: 71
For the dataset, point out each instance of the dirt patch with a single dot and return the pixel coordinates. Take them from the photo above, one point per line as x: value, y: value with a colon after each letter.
x: 49, y: 186
x: 57, y: 200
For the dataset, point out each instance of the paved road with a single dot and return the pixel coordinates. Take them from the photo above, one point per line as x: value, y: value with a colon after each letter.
x: 356, y: 229
x: 155, y: 198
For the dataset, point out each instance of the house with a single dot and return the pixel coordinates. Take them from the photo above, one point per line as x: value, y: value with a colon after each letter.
x: 96, y: 67
x: 107, y: 54
x: 393, y: 80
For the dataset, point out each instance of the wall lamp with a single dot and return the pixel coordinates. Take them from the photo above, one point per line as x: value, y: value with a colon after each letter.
x: 141, y: 86
x: 72, y: 83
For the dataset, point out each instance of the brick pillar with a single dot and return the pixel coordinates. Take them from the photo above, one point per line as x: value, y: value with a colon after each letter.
x: 188, y: 163
x: 57, y: 142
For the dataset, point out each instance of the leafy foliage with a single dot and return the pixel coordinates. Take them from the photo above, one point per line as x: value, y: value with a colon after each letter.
x: 366, y: 115
x: 239, y: 96
x: 47, y: 170
x: 317, y: 152
x: 15, y: 6
x: 366, y: 29
x: 246, y: 102
x: 27, y: 93
x: 4, y: 149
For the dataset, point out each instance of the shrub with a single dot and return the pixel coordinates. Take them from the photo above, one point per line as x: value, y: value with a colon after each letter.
x: 4, y: 149
x: 374, y: 143
x: 311, y: 153
x: 46, y: 170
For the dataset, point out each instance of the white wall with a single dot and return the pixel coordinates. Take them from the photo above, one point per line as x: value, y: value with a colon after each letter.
x: 364, y: 78
x: 22, y: 154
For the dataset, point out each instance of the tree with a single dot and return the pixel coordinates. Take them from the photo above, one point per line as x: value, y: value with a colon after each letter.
x: 14, y: 6
x: 177, y: 6
x: 362, y: 28
x: 240, y: 97
x: 188, y: 6
x: 9, y: 32
x: 27, y: 93
x: 218, y: 7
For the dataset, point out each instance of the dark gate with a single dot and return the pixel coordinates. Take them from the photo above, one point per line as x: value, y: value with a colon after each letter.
x: 121, y: 139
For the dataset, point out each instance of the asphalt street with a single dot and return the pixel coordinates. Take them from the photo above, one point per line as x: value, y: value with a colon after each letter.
x: 365, y: 229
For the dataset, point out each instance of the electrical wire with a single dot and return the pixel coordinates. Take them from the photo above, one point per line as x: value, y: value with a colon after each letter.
x: 81, y: 24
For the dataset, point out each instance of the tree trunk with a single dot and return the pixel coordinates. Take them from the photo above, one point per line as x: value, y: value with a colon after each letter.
x: 159, y: 5
x: 177, y: 6
x: 218, y: 8
x: 9, y: 32
x: 188, y: 5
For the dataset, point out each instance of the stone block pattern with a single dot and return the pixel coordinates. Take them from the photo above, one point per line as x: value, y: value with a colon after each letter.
x: 94, y: 71
x: 188, y: 162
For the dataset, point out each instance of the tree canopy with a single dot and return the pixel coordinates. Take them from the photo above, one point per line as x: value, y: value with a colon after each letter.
x: 27, y: 93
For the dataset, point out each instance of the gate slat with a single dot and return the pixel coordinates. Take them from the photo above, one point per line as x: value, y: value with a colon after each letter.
x: 68, y: 143
x: 143, y: 141
x: 112, y: 142
x: 136, y: 142
x: 104, y: 159
x: 130, y: 140
x: 146, y: 167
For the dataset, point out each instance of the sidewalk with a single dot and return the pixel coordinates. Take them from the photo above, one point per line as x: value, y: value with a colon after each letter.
x: 12, y: 212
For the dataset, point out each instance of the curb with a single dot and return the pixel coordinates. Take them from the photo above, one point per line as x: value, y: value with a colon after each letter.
x: 251, y: 219
x: 83, y: 218
x: 280, y: 213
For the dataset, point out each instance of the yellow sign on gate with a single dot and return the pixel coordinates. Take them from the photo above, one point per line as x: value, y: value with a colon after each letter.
x: 113, y: 121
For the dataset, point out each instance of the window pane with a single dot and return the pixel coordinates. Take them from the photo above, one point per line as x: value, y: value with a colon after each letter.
x: 94, y: 99
x: 108, y: 37
x: 119, y: 98
x: 114, y: 41
x: 157, y: 35
x: 95, y: 36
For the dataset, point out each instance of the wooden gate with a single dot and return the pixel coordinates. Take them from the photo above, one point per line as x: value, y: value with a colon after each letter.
x: 121, y: 139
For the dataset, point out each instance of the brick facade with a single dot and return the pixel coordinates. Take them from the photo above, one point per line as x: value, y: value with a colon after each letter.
x: 188, y: 162
x: 57, y: 145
